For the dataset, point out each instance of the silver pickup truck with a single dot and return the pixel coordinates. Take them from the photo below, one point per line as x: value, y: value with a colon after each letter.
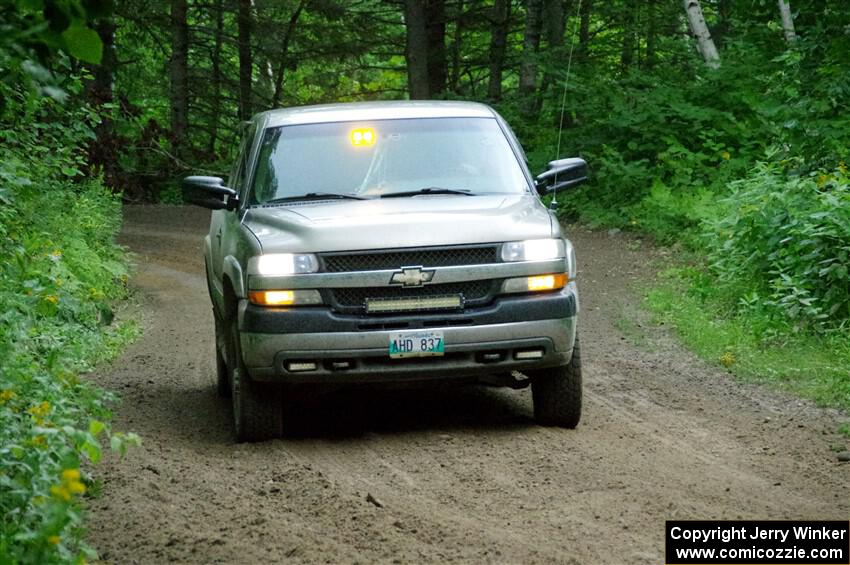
x: 388, y: 242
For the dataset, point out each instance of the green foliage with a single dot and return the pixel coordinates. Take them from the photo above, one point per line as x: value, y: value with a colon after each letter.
x: 745, y: 168
x: 779, y: 249
x: 663, y: 142
x: 83, y: 43
x: 31, y: 32
x: 60, y: 275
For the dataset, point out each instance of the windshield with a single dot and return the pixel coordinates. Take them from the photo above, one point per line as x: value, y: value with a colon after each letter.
x: 372, y: 159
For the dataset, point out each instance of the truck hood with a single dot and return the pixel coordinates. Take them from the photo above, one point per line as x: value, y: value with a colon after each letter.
x: 351, y: 225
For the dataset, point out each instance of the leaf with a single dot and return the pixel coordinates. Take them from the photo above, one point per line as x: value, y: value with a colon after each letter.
x: 55, y: 92
x: 83, y: 43
x: 95, y: 427
x: 92, y: 450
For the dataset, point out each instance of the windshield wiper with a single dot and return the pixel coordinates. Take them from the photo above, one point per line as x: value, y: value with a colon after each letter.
x: 428, y: 190
x: 315, y: 196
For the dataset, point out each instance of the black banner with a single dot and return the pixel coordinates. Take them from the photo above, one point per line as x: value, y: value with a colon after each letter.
x: 746, y: 542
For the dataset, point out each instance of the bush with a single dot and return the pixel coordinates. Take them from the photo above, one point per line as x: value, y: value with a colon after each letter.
x: 779, y: 247
x: 60, y: 273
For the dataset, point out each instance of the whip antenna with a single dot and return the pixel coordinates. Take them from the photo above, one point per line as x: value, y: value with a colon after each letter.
x: 576, y: 24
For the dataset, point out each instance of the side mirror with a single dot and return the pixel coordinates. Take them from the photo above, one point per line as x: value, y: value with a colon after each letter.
x: 209, y: 192
x: 563, y: 173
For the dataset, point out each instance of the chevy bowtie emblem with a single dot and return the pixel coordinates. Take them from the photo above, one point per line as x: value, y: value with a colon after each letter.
x: 412, y: 276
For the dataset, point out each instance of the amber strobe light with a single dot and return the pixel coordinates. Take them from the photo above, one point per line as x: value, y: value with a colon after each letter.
x: 363, y: 137
x: 272, y: 297
x: 547, y: 282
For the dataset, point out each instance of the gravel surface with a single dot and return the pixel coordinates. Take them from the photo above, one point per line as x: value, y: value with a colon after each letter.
x: 449, y: 474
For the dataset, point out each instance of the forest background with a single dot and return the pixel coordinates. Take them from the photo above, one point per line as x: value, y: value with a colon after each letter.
x: 719, y: 128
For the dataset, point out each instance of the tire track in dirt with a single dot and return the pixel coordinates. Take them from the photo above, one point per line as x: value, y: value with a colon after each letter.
x: 462, y: 475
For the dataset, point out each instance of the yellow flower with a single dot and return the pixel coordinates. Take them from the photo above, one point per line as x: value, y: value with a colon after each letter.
x: 54, y: 540
x: 823, y: 179
x: 60, y: 492
x: 41, y: 410
x: 69, y: 486
x: 727, y: 359
x: 6, y: 396
x: 77, y: 487
x: 52, y: 298
x: 39, y: 441
x: 726, y: 155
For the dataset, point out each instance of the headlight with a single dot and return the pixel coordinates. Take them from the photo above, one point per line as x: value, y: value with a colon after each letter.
x: 278, y: 264
x: 533, y: 250
x: 572, y: 266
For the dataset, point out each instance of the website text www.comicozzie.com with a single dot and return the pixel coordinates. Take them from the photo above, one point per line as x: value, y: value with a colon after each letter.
x: 778, y: 553
x: 758, y: 542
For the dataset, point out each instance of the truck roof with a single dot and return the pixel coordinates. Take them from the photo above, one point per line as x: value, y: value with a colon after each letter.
x: 369, y: 111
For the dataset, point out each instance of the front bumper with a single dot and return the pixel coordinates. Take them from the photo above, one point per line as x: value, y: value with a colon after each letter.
x: 272, y: 337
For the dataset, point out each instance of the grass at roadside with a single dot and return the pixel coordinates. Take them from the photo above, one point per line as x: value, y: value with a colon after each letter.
x: 813, y: 367
x: 61, y: 278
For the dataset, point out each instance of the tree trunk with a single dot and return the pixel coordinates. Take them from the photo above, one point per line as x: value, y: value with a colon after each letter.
x: 627, y: 49
x: 700, y: 30
x: 554, y: 25
x: 284, y: 53
x: 584, y: 28
x: 499, y: 27
x: 215, y: 103
x: 103, y: 150
x: 246, y: 66
x: 435, y: 26
x: 417, y: 50
x: 724, y: 22
x: 99, y: 90
x: 787, y: 21
x: 179, y: 74
x: 651, y: 33
x: 530, y: 47
x: 627, y: 53
x: 457, y: 40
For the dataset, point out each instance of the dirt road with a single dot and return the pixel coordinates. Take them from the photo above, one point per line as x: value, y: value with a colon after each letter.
x: 455, y: 475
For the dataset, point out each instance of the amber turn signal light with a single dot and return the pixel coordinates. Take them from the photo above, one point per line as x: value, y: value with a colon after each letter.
x: 272, y: 297
x: 547, y: 282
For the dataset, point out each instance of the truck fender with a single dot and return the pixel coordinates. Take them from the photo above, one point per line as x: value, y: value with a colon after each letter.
x: 232, y: 270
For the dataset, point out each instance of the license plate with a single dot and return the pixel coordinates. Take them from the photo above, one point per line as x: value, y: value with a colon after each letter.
x: 416, y: 344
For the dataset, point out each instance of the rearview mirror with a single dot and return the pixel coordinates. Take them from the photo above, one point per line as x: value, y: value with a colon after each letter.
x: 562, y: 173
x: 209, y: 192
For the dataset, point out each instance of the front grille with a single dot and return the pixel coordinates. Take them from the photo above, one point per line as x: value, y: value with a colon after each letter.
x: 395, y: 259
x: 475, y: 293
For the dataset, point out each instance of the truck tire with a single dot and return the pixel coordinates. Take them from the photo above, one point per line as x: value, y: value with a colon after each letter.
x: 257, y: 409
x: 222, y: 375
x: 556, y: 393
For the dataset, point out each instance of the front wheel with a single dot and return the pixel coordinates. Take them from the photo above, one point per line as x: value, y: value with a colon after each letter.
x: 557, y: 392
x: 257, y: 410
